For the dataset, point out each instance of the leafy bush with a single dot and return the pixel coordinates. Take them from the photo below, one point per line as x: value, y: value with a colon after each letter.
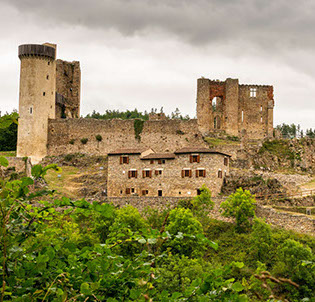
x: 99, y: 138
x: 72, y: 141
x: 186, y: 233
x: 84, y: 140
x: 241, y: 206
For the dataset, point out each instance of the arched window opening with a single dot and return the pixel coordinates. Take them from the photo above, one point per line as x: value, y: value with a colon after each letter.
x: 214, y: 103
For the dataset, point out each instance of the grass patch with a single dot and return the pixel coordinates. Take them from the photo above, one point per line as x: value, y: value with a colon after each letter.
x: 8, y: 153
x: 279, y: 148
x: 213, y: 141
x: 62, y: 184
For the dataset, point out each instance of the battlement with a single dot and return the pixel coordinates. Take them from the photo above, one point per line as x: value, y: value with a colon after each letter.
x: 27, y: 50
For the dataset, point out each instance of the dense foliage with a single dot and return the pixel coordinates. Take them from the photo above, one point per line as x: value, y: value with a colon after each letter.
x: 8, y: 131
x: 65, y: 250
x: 294, y: 131
x: 134, y: 114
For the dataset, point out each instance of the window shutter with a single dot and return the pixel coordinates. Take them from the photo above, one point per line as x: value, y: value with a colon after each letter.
x: 183, y: 173
x: 197, y: 173
x: 129, y: 174
x: 189, y: 173
x: 121, y: 160
x: 159, y: 161
x: 143, y: 173
x: 220, y: 174
x: 198, y: 159
x: 143, y: 192
x: 204, y: 173
x: 127, y: 190
x: 191, y: 158
x: 150, y: 173
x: 156, y: 172
x: 136, y: 174
x: 128, y: 160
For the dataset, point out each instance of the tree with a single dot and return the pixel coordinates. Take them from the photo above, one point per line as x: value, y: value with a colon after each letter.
x: 8, y: 132
x: 241, y: 206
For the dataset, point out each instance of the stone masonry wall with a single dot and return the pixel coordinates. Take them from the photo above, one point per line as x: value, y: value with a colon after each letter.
x: 256, y: 110
x: 170, y: 181
x: 238, y: 112
x: 162, y: 136
x: 68, y: 83
x: 298, y: 222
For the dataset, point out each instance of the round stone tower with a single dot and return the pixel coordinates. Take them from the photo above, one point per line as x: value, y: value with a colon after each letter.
x: 36, y: 99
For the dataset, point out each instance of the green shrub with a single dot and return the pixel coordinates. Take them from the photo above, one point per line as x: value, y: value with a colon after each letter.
x: 186, y: 233
x: 241, y: 206
x: 99, y: 138
x: 138, y: 126
x: 126, y: 229
x: 71, y: 142
x: 84, y: 140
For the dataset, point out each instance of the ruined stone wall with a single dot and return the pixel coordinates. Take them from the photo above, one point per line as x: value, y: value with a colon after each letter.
x: 238, y: 112
x: 298, y: 222
x: 170, y: 182
x: 68, y: 84
x: 162, y: 136
x: 256, y: 111
x: 142, y: 202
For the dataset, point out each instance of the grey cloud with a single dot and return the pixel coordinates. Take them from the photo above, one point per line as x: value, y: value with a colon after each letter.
x: 265, y: 24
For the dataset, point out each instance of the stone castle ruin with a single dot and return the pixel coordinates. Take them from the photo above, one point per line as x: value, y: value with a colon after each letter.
x: 50, y: 123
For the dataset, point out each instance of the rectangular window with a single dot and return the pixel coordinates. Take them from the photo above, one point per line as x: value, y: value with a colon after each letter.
x: 161, y: 161
x: 160, y: 193
x: 151, y: 161
x: 146, y: 173
x: 132, y: 174
x: 31, y: 110
x: 201, y: 173
x: 226, y: 161
x: 132, y: 190
x: 44, y: 93
x: 219, y: 174
x: 186, y: 173
x: 47, y: 77
x: 145, y: 192
x: 252, y: 92
x: 124, y: 160
x: 158, y: 172
x: 194, y: 158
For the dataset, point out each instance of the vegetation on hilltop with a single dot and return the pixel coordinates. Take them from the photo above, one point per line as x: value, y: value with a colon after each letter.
x: 134, y: 114
x: 67, y: 250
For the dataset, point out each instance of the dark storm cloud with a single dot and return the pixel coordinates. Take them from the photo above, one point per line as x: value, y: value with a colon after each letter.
x: 264, y: 24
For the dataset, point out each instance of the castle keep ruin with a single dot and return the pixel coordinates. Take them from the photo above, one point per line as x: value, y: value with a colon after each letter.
x: 49, y: 109
x: 239, y: 110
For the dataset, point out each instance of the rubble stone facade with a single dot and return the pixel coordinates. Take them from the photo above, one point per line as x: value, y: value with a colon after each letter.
x: 239, y: 110
x: 179, y: 174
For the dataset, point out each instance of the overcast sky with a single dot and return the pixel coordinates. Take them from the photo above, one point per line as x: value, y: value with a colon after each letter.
x: 149, y: 53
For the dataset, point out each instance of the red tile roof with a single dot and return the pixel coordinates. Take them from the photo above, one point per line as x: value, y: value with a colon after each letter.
x: 159, y: 156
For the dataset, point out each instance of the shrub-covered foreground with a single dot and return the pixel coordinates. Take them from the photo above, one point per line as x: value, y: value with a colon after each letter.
x: 76, y: 251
